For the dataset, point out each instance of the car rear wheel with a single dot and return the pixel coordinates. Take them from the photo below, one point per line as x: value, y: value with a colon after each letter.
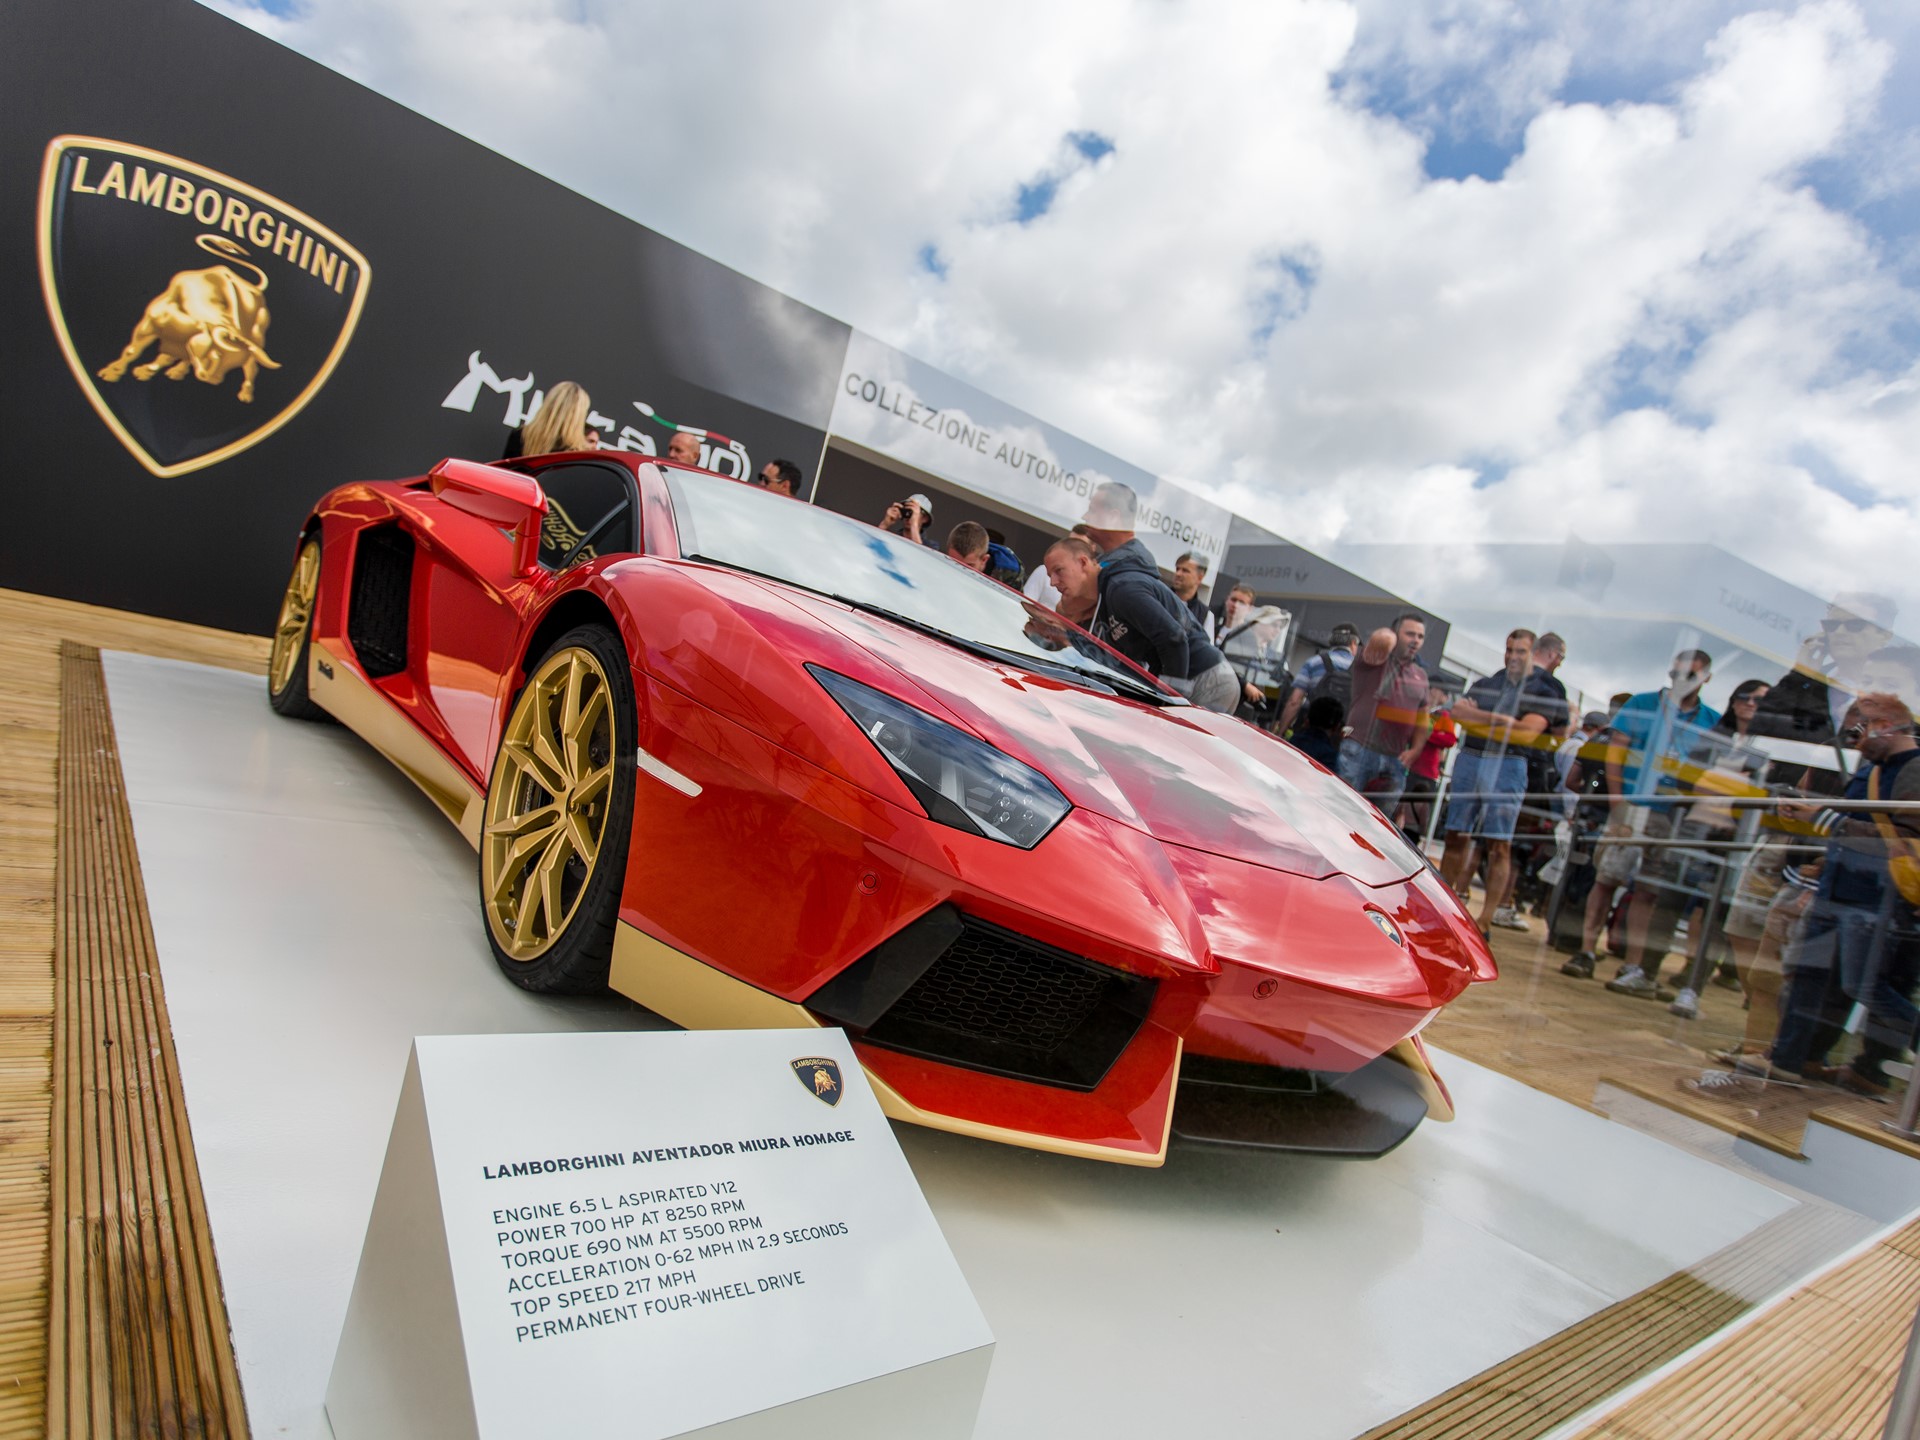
x: 292, y: 637
x: 553, y: 842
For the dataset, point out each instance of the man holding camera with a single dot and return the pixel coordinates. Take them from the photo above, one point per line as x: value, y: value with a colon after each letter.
x: 911, y: 518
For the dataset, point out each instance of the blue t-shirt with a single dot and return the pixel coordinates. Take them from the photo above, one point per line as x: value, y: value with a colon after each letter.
x: 1655, y: 729
x: 1315, y: 669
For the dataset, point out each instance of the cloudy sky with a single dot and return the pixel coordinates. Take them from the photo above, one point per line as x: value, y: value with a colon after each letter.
x: 1414, y: 271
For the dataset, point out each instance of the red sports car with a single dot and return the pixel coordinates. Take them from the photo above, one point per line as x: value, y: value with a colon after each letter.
x: 755, y: 764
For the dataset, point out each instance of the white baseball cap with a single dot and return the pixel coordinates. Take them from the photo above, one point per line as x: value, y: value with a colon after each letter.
x: 926, y: 505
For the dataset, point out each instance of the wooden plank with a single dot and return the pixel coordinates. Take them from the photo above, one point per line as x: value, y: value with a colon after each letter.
x: 1822, y: 1363
x: 138, y: 1342
x: 1567, y: 1373
x: 43, y: 1080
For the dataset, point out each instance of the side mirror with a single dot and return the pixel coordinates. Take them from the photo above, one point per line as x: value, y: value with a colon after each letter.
x: 500, y: 497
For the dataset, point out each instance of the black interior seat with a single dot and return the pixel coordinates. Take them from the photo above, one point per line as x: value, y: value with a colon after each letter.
x: 591, y: 510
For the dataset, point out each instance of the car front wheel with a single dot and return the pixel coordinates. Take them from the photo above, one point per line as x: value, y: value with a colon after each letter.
x: 553, y: 843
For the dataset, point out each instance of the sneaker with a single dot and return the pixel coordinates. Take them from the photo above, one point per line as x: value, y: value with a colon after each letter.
x: 1762, y: 1068
x: 1686, y: 1005
x: 1580, y: 966
x: 1507, y: 919
x: 1635, y: 982
x: 1721, y: 1085
x: 1727, y: 978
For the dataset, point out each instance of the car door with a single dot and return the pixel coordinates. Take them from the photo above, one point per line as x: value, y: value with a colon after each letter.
x: 477, y: 607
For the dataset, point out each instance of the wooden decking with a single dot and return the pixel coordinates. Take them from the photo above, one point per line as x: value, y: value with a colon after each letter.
x: 31, y: 631
x: 138, y: 1341
x: 1824, y: 1373
x: 1568, y: 1373
x: 1576, y: 1039
x: 1818, y: 1366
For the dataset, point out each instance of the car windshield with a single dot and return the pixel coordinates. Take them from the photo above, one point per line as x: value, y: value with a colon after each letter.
x: 727, y: 523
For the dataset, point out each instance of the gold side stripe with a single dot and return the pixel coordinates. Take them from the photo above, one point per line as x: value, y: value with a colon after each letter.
x: 351, y: 699
x: 1424, y: 1080
x: 692, y: 994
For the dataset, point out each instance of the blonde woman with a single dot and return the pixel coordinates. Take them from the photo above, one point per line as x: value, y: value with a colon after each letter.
x: 559, y: 424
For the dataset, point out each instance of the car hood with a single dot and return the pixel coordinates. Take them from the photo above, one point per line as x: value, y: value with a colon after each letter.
x: 1181, y: 774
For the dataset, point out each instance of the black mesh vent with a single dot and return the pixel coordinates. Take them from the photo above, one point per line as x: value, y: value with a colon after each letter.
x: 1000, y: 987
x: 997, y: 1001
x: 377, y: 608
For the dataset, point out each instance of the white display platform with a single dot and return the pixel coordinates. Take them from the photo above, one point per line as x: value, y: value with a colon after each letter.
x: 665, y: 1234
x: 314, y: 913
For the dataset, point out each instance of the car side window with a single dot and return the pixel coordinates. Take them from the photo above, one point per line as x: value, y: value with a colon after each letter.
x: 589, y: 513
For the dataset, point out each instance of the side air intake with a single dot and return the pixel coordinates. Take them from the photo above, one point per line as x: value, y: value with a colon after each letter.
x: 378, y: 602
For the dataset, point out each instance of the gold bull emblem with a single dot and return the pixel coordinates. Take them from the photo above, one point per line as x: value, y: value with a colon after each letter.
x: 822, y: 1082
x: 206, y: 322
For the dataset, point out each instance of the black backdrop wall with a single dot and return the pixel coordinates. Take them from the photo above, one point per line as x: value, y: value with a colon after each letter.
x: 229, y: 199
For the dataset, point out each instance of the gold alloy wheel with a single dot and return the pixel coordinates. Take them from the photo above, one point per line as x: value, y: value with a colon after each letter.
x: 296, y: 612
x: 548, y: 802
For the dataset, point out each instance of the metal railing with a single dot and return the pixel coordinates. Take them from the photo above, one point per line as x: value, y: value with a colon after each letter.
x: 1903, y: 1415
x: 1754, y: 829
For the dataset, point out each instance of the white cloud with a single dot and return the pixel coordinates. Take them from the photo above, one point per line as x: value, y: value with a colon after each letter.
x: 1651, y: 325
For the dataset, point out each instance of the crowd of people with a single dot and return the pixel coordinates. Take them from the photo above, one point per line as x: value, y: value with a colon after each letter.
x: 1788, y: 875
x: 1797, y: 884
x: 1793, y: 882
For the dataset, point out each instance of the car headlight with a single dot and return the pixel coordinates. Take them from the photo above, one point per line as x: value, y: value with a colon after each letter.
x: 958, y: 780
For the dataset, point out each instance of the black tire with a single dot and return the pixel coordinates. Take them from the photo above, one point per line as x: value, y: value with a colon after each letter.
x: 290, y: 698
x: 575, y: 959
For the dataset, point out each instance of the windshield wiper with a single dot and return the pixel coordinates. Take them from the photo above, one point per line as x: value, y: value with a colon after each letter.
x: 1104, y: 682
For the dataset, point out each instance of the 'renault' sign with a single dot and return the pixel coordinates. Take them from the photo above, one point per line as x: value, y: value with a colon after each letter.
x: 197, y: 312
x: 642, y: 1235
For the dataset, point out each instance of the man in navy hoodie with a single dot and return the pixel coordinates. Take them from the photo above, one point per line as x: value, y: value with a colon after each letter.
x: 1138, y: 613
x: 1856, y: 942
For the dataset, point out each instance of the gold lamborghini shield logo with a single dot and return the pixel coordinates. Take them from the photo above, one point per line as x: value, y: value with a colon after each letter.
x: 820, y: 1076
x: 199, y: 314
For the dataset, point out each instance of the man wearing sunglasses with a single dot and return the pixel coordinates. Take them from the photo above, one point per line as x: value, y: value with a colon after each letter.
x: 1857, y: 943
x: 1808, y: 702
x: 780, y: 476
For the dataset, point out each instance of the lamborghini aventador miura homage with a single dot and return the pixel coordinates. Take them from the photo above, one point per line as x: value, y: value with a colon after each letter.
x: 754, y: 764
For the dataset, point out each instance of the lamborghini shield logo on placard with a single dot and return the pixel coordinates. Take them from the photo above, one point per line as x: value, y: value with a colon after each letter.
x: 821, y: 1077
x: 198, y: 313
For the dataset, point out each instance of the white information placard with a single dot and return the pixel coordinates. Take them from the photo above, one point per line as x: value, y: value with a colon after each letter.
x: 645, y: 1234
